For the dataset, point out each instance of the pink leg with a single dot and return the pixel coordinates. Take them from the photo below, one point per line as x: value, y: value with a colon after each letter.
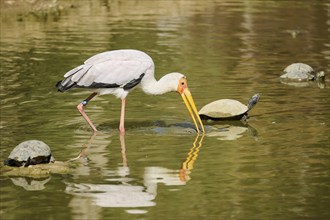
x: 123, y: 149
x: 80, y: 108
x: 122, y: 116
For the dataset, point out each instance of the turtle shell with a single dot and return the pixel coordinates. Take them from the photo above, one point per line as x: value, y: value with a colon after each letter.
x: 29, y: 153
x: 223, y: 109
x: 298, y: 72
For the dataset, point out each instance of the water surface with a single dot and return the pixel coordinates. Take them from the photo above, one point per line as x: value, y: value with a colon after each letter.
x: 274, y: 167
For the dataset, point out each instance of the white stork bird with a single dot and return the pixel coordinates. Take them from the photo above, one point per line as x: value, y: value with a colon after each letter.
x: 117, y: 72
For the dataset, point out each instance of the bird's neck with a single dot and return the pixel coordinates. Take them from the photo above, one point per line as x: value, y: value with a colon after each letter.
x: 153, y: 87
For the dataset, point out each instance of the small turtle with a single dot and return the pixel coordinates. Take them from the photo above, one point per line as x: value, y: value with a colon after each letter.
x: 228, y: 109
x: 29, y: 153
x: 301, y: 72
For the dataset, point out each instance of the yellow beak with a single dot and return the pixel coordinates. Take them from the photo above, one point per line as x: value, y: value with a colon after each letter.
x: 190, y: 104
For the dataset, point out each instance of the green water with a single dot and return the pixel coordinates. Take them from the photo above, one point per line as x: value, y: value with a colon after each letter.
x: 274, y: 167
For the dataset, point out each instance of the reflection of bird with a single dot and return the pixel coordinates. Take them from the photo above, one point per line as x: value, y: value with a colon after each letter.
x: 188, y: 164
x: 118, y: 72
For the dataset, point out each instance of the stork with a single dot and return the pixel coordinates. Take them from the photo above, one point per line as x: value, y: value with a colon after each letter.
x: 118, y: 72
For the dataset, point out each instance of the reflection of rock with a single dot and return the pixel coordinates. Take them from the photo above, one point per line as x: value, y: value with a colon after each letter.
x: 30, y: 184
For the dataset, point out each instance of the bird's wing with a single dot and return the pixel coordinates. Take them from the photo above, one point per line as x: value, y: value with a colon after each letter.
x: 74, y: 71
x: 101, y: 57
x: 125, y: 54
x: 112, y: 72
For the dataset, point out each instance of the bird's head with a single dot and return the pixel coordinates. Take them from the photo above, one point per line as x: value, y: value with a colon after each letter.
x: 182, y: 89
x: 175, y: 82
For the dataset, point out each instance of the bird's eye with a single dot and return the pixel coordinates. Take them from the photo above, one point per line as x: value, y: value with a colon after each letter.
x: 182, y: 83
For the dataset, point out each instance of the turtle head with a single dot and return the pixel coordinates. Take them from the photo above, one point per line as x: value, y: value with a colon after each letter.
x: 253, y: 101
x: 13, y: 163
x: 320, y: 76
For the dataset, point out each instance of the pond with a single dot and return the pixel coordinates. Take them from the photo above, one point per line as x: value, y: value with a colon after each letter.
x: 275, y: 166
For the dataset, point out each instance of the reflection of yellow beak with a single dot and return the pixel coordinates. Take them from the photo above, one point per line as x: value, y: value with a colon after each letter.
x: 190, y: 104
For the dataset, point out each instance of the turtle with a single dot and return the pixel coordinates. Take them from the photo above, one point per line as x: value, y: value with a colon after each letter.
x: 29, y: 152
x: 301, y: 72
x: 227, y: 109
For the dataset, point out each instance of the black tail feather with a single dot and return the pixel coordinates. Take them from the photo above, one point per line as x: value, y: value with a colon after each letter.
x: 77, y: 72
x: 59, y: 86
x: 64, y: 85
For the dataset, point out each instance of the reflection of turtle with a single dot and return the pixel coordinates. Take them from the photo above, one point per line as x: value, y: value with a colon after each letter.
x: 227, y: 109
x: 30, y: 184
x: 300, y: 72
x: 29, y: 153
x: 232, y: 130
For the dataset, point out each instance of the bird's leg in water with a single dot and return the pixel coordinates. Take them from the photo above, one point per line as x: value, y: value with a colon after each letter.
x: 80, y: 108
x: 122, y: 116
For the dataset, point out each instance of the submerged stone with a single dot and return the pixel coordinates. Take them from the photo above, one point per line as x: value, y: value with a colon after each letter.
x: 39, y: 170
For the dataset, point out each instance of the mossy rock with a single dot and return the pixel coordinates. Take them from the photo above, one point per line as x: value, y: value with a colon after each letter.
x: 39, y: 170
